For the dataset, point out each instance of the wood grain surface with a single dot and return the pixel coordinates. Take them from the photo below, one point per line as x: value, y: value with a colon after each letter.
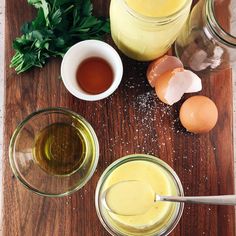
x: 131, y: 121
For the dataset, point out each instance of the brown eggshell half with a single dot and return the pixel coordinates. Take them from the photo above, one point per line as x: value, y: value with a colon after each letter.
x: 160, y: 66
x: 162, y: 84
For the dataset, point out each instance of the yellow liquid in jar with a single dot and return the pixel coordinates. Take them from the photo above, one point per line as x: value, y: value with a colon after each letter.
x: 140, y: 38
x: 160, y: 213
x: 156, y: 8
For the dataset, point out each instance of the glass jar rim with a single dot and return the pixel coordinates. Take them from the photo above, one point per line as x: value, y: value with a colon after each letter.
x: 214, y: 26
x: 21, y: 125
x: 139, y: 157
x: 157, y: 20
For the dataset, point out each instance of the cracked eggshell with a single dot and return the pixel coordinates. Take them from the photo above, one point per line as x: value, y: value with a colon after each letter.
x: 171, y: 86
x: 161, y: 86
x: 198, y: 114
x: 160, y: 66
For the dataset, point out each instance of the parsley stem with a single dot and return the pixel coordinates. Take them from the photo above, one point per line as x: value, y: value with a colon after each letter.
x: 68, y: 9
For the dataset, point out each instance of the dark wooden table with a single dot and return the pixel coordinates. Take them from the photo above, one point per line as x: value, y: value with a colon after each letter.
x: 130, y: 121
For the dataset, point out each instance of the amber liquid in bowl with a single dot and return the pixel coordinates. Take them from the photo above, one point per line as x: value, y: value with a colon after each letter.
x: 59, y: 149
x: 94, y: 75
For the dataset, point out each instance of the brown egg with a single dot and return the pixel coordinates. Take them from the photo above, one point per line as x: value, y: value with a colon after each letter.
x: 198, y: 114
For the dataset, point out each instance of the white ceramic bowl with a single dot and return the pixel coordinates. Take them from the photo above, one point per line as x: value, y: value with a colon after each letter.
x: 81, y: 51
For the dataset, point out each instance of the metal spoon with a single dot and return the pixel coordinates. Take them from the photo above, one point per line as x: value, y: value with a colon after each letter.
x: 212, y: 200
x: 143, y: 206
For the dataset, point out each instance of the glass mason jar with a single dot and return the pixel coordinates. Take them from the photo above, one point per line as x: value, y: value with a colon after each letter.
x: 142, y: 37
x: 208, y: 39
x: 148, y: 224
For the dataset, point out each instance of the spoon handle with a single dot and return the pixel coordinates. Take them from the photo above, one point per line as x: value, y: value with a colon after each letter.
x: 214, y: 200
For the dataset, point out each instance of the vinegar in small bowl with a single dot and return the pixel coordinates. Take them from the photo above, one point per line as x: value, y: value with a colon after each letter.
x: 94, y: 75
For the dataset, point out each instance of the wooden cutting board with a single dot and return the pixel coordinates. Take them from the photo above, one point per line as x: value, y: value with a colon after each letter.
x: 130, y: 121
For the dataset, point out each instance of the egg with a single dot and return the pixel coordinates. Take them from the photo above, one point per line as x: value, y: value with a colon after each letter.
x: 198, y: 114
x: 160, y: 66
x: 171, y: 85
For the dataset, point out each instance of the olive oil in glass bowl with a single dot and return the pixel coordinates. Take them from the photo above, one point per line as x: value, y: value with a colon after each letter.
x: 54, y: 152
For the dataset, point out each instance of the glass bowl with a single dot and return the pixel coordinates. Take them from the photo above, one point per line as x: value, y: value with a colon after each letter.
x: 54, y: 152
x: 128, y: 226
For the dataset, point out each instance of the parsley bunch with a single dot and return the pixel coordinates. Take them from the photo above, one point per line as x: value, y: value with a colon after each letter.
x: 58, y: 25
